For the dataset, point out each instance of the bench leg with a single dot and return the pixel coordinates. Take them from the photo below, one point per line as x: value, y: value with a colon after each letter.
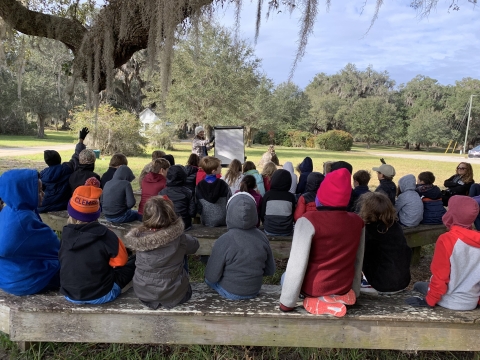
x: 416, y: 255
x: 26, y: 345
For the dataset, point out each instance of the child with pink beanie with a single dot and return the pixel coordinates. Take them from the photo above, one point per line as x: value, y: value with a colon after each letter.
x: 325, y: 262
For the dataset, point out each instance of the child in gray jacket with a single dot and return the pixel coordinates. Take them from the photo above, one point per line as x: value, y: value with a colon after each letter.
x: 409, y: 205
x: 242, y: 256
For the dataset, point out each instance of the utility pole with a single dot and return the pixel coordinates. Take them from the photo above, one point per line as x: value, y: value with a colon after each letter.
x: 468, y: 125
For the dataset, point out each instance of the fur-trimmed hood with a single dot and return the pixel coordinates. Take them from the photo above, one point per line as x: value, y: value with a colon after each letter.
x: 144, y: 240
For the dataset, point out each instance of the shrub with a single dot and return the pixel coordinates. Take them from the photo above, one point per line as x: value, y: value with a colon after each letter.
x: 116, y: 130
x: 335, y: 140
x: 160, y: 135
x: 280, y: 138
x: 300, y: 138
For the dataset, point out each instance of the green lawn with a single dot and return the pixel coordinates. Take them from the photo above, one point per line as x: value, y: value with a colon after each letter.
x: 359, y: 157
x: 52, y: 138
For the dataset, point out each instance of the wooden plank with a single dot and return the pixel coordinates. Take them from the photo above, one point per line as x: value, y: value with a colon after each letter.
x: 249, y: 331
x: 4, y: 318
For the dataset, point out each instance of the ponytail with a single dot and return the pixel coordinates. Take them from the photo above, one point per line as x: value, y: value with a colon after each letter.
x: 248, y: 183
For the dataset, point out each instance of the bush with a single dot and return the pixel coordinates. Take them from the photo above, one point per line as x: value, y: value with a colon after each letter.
x: 280, y: 138
x: 335, y: 140
x: 160, y: 136
x: 116, y: 130
x: 300, y: 138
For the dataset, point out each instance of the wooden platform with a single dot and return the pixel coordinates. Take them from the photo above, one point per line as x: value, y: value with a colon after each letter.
x: 373, y: 323
x: 416, y: 237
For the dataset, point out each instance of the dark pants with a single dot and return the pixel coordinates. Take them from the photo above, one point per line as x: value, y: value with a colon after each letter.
x: 54, y: 283
x: 421, y: 287
x: 124, y: 274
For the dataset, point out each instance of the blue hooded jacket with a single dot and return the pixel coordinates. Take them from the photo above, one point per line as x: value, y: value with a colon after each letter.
x: 305, y: 168
x: 28, y: 247
x: 56, y: 187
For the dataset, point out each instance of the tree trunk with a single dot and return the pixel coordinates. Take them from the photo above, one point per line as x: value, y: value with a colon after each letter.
x: 368, y: 144
x: 249, y: 136
x: 407, y: 146
x: 208, y: 131
x: 41, y: 126
x: 417, y: 147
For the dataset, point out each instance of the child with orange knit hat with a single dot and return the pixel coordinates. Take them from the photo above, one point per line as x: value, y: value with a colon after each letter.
x: 94, y: 265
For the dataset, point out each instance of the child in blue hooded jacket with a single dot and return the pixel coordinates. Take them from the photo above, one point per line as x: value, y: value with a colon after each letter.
x: 28, y: 247
x: 305, y: 168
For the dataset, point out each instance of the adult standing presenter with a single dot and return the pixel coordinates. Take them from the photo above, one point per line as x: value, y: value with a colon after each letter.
x: 200, y: 145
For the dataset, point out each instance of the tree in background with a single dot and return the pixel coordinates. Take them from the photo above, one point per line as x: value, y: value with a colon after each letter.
x: 291, y: 106
x: 429, y: 127
x: 370, y: 118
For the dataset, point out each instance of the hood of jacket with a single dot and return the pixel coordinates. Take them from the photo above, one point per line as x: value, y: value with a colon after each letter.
x: 153, y: 177
x: 306, y: 165
x: 429, y: 191
x: 19, y: 189
x: 314, y: 180
x: 281, y: 180
x: 86, y: 167
x: 55, y: 173
x: 242, y: 211
x: 462, y: 211
x: 140, y: 239
x: 468, y: 236
x: 82, y: 235
x: 176, y: 176
x: 407, y: 182
x: 289, y: 167
x: 212, y: 191
x: 124, y: 173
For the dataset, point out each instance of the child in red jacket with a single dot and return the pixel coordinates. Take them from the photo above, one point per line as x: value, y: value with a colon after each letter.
x: 325, y: 262
x: 455, y: 281
x: 306, y: 202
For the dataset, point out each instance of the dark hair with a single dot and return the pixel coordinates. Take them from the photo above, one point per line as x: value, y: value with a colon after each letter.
x: 117, y: 160
x: 427, y: 177
x: 193, y: 160
x: 248, y: 165
x: 248, y: 183
x: 158, y: 213
x: 157, y: 154
x: 160, y: 164
x: 377, y: 207
x: 362, y: 177
x: 234, y: 171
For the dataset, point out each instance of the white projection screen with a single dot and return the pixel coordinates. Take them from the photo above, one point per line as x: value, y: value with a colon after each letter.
x: 229, y: 144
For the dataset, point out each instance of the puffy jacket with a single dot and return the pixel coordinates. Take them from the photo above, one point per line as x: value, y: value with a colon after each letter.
x: 305, y: 167
x: 190, y: 182
x: 242, y: 256
x: 389, y: 188
x: 212, y: 200
x: 56, y: 187
x: 28, y: 247
x: 180, y: 195
x: 160, y: 276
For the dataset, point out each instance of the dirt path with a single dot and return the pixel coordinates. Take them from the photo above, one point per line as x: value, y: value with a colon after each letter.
x: 19, y: 151
x: 423, y: 156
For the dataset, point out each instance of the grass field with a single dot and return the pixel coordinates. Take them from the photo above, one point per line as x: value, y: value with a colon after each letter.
x: 359, y: 157
x: 51, y: 138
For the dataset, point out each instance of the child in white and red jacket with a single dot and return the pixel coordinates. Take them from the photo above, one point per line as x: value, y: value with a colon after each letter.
x: 455, y: 281
x: 325, y: 263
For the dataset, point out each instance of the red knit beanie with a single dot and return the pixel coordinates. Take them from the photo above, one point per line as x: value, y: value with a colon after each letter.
x: 336, y: 189
x: 462, y: 211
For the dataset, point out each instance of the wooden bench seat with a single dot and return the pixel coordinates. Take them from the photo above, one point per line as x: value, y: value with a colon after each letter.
x: 372, y: 323
x: 416, y: 237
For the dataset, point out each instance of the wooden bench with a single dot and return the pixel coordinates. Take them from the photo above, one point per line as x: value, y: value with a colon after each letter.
x: 209, y: 319
x: 416, y: 237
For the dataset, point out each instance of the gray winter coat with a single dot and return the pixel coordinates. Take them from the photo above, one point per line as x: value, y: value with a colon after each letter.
x: 242, y: 256
x: 117, y: 196
x: 409, y: 205
x: 159, y: 275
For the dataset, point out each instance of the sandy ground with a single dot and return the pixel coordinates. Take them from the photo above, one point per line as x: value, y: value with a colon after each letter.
x: 19, y: 151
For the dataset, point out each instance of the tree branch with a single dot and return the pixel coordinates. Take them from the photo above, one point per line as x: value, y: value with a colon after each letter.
x: 68, y: 31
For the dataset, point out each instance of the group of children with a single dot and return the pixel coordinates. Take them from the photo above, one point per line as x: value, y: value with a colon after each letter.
x: 344, y: 239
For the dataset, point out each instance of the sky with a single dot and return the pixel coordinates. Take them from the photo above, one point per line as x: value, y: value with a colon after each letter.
x: 444, y: 46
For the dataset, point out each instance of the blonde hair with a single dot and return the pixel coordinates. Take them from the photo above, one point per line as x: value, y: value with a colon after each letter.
x: 375, y: 207
x: 268, y: 169
x: 468, y: 177
x: 234, y: 172
x: 72, y: 221
x: 158, y: 213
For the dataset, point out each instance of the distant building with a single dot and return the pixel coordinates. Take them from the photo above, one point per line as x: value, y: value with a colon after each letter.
x: 148, y: 118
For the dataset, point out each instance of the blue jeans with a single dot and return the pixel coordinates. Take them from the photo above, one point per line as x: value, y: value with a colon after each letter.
x: 112, y: 295
x: 129, y: 216
x: 227, y: 295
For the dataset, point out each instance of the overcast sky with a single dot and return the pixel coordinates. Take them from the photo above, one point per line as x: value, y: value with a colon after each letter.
x: 444, y: 46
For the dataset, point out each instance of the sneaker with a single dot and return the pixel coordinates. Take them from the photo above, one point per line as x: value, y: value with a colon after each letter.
x: 366, y: 288
x: 347, y: 299
x: 390, y: 292
x: 319, y: 307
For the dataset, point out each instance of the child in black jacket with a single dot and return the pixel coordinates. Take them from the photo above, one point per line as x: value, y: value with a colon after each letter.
x: 180, y: 195
x: 385, y: 174
x: 94, y: 265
